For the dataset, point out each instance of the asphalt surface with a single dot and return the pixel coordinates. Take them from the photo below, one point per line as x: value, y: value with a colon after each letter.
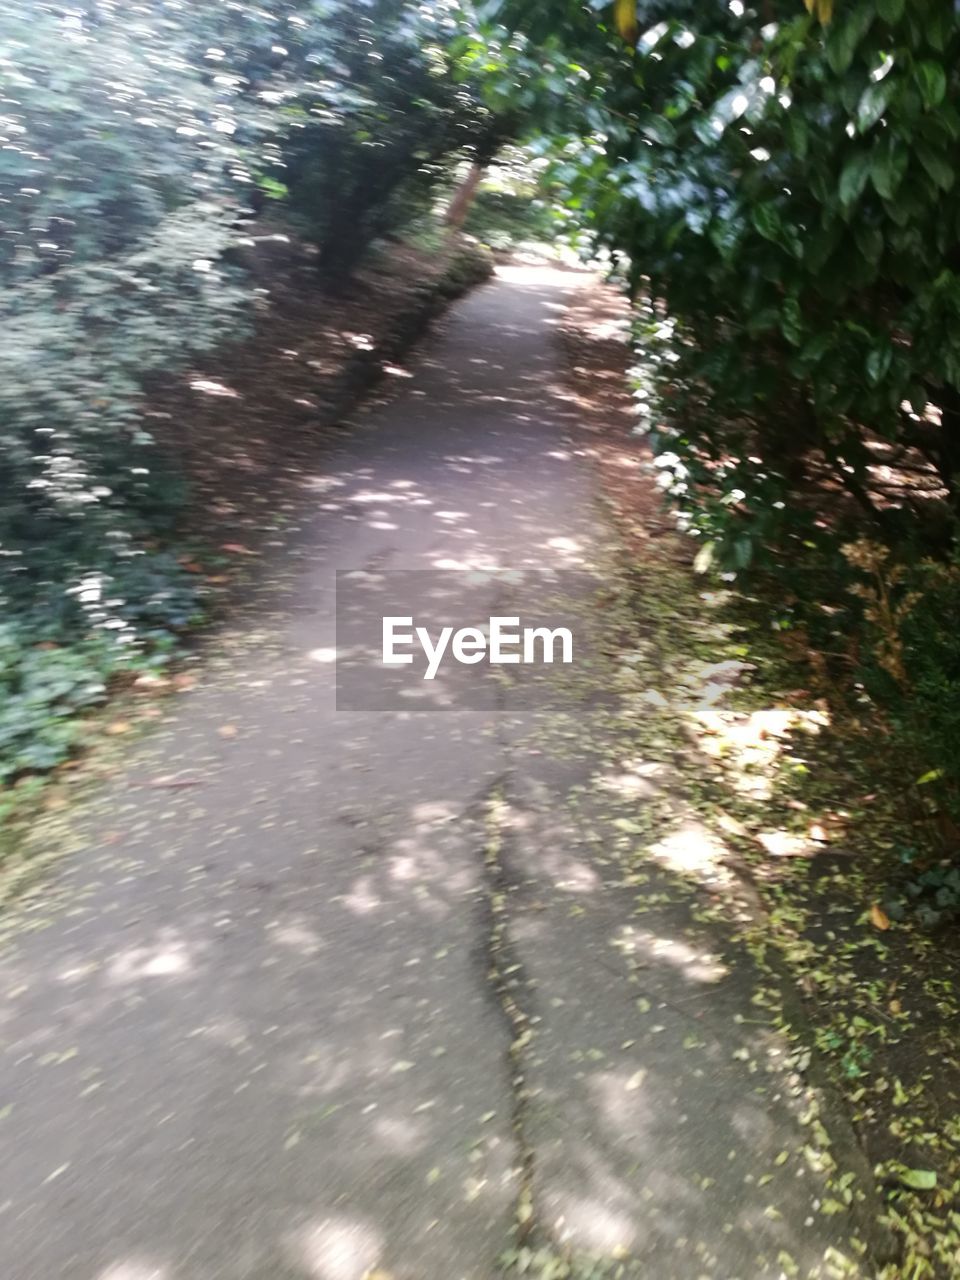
x: 332, y: 994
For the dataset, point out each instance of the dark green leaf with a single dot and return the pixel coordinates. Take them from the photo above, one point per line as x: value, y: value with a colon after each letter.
x: 798, y: 134
x: 791, y: 322
x: 742, y: 552
x: 873, y: 103
x: 846, y: 34
x: 891, y: 11
x: 878, y: 364
x: 938, y: 166
x: 658, y: 130
x: 768, y: 222
x: 853, y: 177
x: 887, y: 167
x: 932, y: 82
x: 869, y: 242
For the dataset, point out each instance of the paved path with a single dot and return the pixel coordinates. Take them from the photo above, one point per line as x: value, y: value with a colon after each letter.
x: 367, y: 992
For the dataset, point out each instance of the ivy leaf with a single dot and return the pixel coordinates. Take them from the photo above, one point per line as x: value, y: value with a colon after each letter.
x: 937, y: 28
x: 932, y: 775
x: 822, y: 10
x: 820, y: 245
x: 742, y: 551
x: 948, y: 120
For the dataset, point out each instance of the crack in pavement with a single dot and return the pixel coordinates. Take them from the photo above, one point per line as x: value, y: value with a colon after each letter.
x: 505, y: 975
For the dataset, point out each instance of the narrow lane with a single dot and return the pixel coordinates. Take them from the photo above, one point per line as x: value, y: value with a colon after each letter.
x: 265, y: 1026
x: 248, y: 1031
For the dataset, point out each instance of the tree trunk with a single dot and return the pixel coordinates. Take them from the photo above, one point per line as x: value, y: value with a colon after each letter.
x: 462, y: 199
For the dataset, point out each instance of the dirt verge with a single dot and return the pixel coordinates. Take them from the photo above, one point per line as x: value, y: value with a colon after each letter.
x: 245, y: 423
x: 805, y: 812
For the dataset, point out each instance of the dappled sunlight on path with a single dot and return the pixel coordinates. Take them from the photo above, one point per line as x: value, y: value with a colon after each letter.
x: 357, y: 994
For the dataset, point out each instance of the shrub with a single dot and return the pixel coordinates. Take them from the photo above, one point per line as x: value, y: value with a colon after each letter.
x: 117, y: 207
x: 131, y: 143
x: 782, y: 196
x: 911, y: 662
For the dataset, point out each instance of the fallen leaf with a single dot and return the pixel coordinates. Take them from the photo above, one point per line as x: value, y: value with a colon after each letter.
x: 831, y: 1207
x: 919, y: 1179
x: 118, y: 726
x: 151, y: 683
x: 228, y: 731
x: 879, y: 918
x: 237, y: 549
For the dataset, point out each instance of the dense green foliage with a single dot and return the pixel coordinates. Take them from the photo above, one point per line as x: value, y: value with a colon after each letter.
x: 780, y: 195
x: 784, y: 192
x: 509, y: 208
x: 138, y: 144
x: 366, y: 146
x: 117, y: 206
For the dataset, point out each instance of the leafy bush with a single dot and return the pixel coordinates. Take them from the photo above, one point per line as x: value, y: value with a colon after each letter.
x: 119, y: 197
x: 504, y: 219
x: 376, y: 109
x: 42, y: 687
x: 469, y: 266
x: 910, y: 662
x: 780, y: 194
x: 932, y: 895
x: 783, y: 195
x: 929, y: 706
x: 108, y: 270
x: 135, y: 142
